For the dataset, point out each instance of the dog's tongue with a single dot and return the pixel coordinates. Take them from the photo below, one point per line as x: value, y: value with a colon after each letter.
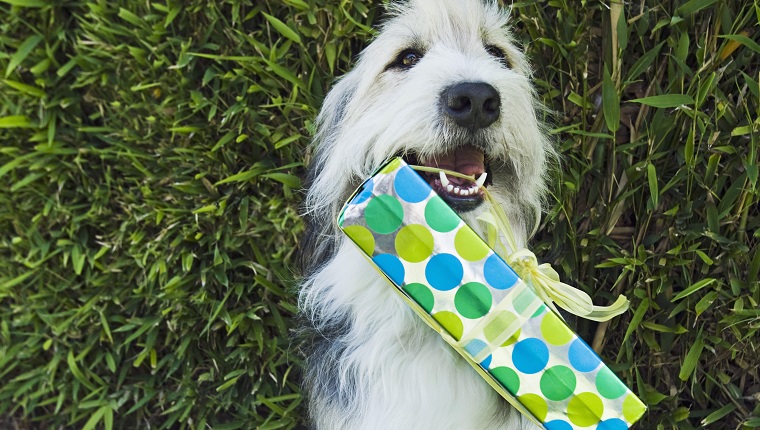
x: 466, y: 160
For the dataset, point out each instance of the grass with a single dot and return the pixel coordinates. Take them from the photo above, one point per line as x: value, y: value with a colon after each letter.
x: 152, y: 154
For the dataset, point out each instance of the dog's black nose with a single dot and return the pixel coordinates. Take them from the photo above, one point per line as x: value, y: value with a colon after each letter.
x: 471, y: 105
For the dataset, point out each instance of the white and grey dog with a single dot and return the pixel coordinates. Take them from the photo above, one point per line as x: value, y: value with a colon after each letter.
x: 443, y: 84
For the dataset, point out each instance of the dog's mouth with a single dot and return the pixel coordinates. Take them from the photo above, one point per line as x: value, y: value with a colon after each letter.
x: 462, y: 195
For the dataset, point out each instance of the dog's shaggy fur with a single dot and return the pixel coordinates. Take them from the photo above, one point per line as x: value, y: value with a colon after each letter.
x: 372, y: 363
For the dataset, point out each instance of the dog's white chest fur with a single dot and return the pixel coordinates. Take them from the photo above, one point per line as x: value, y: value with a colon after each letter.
x: 443, y: 85
x: 406, y: 377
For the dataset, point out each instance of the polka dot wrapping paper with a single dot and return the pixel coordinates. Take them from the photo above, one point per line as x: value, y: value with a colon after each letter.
x: 464, y: 290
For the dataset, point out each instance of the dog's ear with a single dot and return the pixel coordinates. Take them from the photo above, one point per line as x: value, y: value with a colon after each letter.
x: 327, y: 169
x: 327, y: 178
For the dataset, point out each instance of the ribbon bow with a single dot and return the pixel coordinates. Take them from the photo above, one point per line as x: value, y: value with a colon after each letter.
x: 546, y: 284
x: 543, y: 279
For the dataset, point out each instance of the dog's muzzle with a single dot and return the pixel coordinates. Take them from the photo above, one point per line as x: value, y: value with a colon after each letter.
x: 471, y: 106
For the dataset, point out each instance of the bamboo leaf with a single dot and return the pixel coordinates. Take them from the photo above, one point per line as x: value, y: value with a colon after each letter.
x: 705, y: 302
x: 291, y: 181
x: 26, y: 89
x: 15, y: 121
x: 23, y: 51
x: 654, y: 192
x: 610, y: 103
x: 17, y: 280
x: 693, y: 6
x: 643, y: 63
x: 694, y: 288
x: 718, y: 415
x: 130, y: 17
x: 26, y: 3
x: 638, y: 316
x: 744, y: 40
x: 692, y: 358
x: 96, y: 417
x: 243, y: 176
x: 284, y: 73
x: 666, y: 100
x: 74, y: 368
x: 283, y: 28
x: 300, y: 4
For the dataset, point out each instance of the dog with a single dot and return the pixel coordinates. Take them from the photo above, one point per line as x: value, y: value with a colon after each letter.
x: 442, y: 84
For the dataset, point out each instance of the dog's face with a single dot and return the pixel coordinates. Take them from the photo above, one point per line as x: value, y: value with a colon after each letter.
x: 442, y: 85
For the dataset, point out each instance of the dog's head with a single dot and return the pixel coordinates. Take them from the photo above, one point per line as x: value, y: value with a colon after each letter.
x: 443, y: 84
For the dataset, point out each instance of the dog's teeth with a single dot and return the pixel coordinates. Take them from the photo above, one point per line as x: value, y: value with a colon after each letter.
x: 481, y: 180
x: 449, y: 188
x: 444, y: 179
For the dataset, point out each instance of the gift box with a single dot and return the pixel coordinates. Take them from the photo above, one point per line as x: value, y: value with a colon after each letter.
x: 476, y: 301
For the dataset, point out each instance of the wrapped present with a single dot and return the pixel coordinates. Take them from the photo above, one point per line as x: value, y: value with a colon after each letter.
x: 463, y: 289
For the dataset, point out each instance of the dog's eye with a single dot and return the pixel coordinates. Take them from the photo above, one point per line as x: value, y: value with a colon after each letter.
x: 407, y: 59
x: 499, y: 54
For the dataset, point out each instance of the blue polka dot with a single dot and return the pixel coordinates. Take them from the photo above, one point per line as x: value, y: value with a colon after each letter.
x: 582, y: 358
x: 474, y: 346
x: 612, y: 424
x: 410, y: 186
x: 444, y: 272
x: 498, y: 274
x: 365, y: 193
x: 391, y: 266
x: 486, y: 362
x: 558, y: 425
x: 530, y: 355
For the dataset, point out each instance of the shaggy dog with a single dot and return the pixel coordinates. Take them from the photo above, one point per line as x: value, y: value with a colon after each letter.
x: 442, y: 85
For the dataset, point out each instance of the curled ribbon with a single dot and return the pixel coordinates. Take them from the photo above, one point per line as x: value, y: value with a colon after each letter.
x: 543, y: 279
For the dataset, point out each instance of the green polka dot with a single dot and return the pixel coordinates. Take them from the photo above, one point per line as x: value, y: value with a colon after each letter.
x: 473, y: 300
x: 539, y: 311
x: 536, y: 405
x: 384, y: 214
x: 469, y: 245
x: 451, y: 322
x: 362, y: 237
x: 633, y: 408
x: 508, y: 378
x: 391, y: 166
x: 498, y: 324
x: 558, y: 383
x: 585, y: 409
x: 554, y: 331
x: 608, y: 384
x: 414, y: 243
x: 421, y: 294
x: 439, y: 215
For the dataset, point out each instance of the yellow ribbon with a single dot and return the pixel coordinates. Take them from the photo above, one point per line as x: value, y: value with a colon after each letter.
x: 543, y: 279
x: 545, y: 282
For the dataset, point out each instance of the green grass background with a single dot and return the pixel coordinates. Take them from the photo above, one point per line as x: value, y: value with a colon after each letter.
x: 150, y: 155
